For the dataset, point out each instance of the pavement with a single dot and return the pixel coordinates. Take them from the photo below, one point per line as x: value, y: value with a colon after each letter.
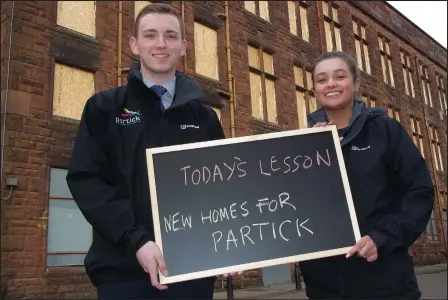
x: 432, y: 281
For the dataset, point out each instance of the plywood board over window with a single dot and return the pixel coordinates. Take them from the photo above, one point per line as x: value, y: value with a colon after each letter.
x: 332, y: 26
x: 138, y: 6
x: 262, y: 84
x: 306, y: 102
x: 217, y: 111
x: 259, y: 8
x: 71, y: 89
x: 206, y: 51
x: 78, y: 16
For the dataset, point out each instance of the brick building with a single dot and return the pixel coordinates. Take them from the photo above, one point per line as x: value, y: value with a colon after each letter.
x: 255, y: 59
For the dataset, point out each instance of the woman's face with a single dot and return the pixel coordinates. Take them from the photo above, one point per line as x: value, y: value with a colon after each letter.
x: 334, y: 84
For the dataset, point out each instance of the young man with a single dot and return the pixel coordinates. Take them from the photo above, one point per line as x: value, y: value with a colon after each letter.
x: 108, y: 175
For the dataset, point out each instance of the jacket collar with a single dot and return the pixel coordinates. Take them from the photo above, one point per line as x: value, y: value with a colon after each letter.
x: 186, y: 89
x: 357, y: 121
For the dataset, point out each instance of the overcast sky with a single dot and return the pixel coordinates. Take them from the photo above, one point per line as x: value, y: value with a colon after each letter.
x: 431, y: 16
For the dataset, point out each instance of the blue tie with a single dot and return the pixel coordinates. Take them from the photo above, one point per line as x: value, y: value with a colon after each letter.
x: 159, y: 90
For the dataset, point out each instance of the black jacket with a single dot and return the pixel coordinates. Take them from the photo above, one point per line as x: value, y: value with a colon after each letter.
x: 108, y: 177
x: 393, y: 196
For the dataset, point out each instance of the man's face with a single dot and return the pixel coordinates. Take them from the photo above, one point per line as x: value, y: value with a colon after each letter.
x: 159, y: 43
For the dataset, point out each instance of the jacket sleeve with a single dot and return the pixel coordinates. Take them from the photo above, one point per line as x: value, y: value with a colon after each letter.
x: 92, y: 182
x: 411, y: 176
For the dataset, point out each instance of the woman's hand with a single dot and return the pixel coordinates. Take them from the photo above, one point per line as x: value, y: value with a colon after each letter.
x: 366, y: 248
x: 323, y: 124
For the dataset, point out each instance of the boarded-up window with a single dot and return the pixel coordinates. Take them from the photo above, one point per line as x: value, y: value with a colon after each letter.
x: 386, y: 61
x: 417, y: 134
x: 69, y: 235
x: 206, y: 51
x: 262, y: 85
x: 368, y: 100
x: 436, y: 148
x: 306, y: 101
x: 441, y: 91
x: 361, y: 46
x: 332, y: 26
x: 138, y: 6
x: 393, y: 113
x: 407, y: 73
x: 259, y: 8
x: 78, y: 16
x: 72, y: 88
x: 299, y: 23
x: 425, y: 83
x: 217, y: 111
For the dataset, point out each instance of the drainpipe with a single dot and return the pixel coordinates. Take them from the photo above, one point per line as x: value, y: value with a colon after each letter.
x: 182, y: 12
x: 120, y: 33
x: 230, y: 77
x: 431, y: 158
x: 2, y: 162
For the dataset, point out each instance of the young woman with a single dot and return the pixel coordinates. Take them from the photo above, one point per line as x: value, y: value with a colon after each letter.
x: 391, y: 187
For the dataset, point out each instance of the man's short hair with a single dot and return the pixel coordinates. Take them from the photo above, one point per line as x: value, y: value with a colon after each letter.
x: 159, y: 8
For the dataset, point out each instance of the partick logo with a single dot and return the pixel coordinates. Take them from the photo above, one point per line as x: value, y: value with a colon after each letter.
x: 129, y: 117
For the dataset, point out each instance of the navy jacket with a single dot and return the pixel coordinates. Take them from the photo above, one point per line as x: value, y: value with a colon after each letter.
x: 108, y: 176
x: 393, y: 196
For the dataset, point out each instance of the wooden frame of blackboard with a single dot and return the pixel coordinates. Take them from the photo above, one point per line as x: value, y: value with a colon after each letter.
x: 260, y: 264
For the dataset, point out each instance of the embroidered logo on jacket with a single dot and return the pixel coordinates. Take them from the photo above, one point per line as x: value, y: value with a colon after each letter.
x: 354, y: 148
x: 189, y: 126
x: 128, y: 117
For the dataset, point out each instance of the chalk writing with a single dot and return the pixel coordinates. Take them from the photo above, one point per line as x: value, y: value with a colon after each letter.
x: 216, y: 173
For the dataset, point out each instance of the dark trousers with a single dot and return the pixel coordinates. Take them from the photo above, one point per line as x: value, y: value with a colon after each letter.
x: 142, y: 289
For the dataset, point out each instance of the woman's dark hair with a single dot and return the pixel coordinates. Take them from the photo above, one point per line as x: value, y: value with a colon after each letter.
x: 351, y: 62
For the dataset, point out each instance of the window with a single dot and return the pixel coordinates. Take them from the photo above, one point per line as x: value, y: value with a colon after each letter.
x: 393, y: 113
x: 425, y: 84
x: 407, y: 73
x: 217, y: 111
x: 332, y: 26
x: 71, y: 89
x: 262, y: 83
x: 362, y: 50
x: 417, y: 135
x: 298, y: 9
x: 368, y: 100
x: 442, y: 93
x: 69, y: 234
x: 436, y: 148
x: 306, y: 101
x: 206, y: 51
x: 443, y: 205
x: 138, y: 6
x: 259, y: 8
x: 431, y: 229
x: 386, y: 61
x: 78, y: 16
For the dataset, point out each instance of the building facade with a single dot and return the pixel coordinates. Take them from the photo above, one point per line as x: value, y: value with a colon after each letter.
x: 253, y: 58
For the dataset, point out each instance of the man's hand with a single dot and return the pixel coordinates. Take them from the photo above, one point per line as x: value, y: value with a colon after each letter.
x: 365, y: 248
x: 232, y: 274
x: 151, y: 260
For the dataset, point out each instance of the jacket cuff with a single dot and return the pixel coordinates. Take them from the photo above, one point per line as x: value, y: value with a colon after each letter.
x: 136, y: 239
x: 379, y: 238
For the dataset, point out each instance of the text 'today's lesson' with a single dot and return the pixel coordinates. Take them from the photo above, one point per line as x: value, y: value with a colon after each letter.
x: 237, y: 169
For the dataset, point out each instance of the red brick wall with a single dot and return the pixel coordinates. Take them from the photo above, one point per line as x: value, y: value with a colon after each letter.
x: 35, y: 141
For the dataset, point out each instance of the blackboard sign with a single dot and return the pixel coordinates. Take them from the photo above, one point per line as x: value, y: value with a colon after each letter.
x: 250, y: 202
